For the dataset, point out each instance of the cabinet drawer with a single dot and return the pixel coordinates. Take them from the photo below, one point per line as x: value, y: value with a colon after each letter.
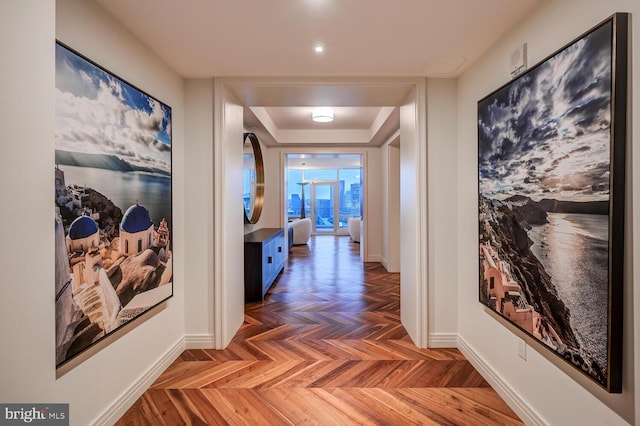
x: 264, y: 251
x: 268, y: 260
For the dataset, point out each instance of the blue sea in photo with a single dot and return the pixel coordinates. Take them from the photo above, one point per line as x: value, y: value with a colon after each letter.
x: 153, y: 191
x: 573, y: 248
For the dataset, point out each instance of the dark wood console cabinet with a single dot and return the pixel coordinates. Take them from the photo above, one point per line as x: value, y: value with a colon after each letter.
x: 264, y: 254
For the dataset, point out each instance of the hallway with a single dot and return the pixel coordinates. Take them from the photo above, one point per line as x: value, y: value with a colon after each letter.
x: 326, y: 347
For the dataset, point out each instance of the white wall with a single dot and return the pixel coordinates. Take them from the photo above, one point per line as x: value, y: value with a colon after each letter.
x: 413, y: 186
x: 390, y: 189
x: 215, y: 299
x: 228, y: 250
x: 442, y: 179
x: 27, y: 358
x: 198, y: 193
x: 556, y: 393
x: 371, y: 226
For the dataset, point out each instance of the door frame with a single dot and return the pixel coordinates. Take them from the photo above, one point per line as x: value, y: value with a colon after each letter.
x: 227, y: 306
x: 336, y: 208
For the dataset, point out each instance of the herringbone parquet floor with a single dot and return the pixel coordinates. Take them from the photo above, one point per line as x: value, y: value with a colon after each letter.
x: 325, y: 348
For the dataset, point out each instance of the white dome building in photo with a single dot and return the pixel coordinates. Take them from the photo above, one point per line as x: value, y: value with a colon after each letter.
x: 136, y: 231
x: 83, y: 234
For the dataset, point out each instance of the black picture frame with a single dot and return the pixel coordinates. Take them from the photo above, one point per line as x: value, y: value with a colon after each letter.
x: 551, y: 201
x: 113, y: 198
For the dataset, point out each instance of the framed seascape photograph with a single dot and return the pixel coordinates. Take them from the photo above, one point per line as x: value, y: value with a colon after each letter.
x: 551, y: 183
x: 113, y: 247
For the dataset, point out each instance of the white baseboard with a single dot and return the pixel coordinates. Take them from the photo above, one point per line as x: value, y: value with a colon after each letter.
x: 526, y: 413
x: 384, y: 262
x: 113, y: 413
x: 374, y: 258
x: 199, y: 341
x: 442, y: 340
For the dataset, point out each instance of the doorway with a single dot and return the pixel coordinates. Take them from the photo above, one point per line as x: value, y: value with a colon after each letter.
x: 325, y: 203
x: 326, y: 188
x: 228, y: 299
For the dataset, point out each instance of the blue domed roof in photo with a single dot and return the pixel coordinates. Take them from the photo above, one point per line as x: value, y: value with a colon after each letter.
x: 83, y: 227
x: 136, y: 219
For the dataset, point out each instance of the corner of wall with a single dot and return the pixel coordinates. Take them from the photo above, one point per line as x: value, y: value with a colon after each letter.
x: 511, y: 397
x: 122, y: 403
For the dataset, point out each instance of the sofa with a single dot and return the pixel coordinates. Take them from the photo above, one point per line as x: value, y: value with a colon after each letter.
x: 353, y: 226
x: 301, y: 230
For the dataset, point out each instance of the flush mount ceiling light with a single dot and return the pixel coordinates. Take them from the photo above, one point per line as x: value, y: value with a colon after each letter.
x: 322, y: 114
x: 318, y: 48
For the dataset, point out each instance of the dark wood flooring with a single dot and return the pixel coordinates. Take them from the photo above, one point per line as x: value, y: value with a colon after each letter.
x: 325, y: 348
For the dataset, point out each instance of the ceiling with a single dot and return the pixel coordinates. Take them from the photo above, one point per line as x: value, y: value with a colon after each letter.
x: 278, y: 111
x: 267, y: 49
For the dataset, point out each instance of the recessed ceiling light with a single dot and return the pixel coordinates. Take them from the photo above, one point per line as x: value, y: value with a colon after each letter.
x: 322, y: 114
x: 319, y: 48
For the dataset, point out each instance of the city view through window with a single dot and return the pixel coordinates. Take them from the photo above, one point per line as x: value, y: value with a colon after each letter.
x: 330, y: 197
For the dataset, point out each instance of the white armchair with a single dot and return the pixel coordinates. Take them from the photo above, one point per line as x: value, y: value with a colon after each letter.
x: 301, y: 231
x: 353, y: 226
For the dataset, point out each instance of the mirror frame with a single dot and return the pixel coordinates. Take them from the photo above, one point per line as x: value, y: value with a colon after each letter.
x: 258, y: 201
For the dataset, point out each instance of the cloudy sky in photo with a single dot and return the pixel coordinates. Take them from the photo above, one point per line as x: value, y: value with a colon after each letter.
x: 97, y: 113
x: 546, y: 135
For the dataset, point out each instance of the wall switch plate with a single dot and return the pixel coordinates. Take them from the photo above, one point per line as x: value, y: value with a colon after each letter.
x: 522, y: 349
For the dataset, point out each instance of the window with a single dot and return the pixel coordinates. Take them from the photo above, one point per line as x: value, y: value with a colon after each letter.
x: 350, y: 195
x: 320, y: 174
x: 249, y: 185
x: 295, y: 195
x: 324, y: 170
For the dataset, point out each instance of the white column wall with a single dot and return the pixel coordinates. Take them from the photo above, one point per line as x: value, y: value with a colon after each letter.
x: 199, y: 199
x: 555, y: 392
x: 393, y: 259
x: 443, y: 232
x: 372, y: 224
x: 390, y: 190
x: 413, y: 196
x: 228, y: 250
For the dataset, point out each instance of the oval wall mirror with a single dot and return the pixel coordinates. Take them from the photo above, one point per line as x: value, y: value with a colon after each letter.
x: 253, y: 178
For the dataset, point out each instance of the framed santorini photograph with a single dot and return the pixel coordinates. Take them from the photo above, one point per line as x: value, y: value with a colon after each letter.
x: 551, y: 195
x: 113, y: 247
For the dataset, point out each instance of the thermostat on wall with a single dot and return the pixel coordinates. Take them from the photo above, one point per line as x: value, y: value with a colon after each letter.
x: 518, y: 60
